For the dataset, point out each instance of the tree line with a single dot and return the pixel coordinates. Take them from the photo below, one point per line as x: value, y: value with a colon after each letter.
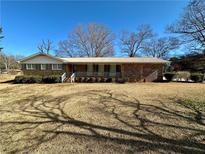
x: 97, y: 40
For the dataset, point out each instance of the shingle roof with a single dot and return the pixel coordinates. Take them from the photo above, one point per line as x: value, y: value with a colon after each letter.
x: 113, y: 60
x: 101, y: 59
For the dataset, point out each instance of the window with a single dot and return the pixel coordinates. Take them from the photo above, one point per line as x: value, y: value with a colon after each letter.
x: 30, y: 66
x: 56, y: 66
x: 118, y: 68
x: 107, y: 68
x: 43, y: 66
x: 95, y: 68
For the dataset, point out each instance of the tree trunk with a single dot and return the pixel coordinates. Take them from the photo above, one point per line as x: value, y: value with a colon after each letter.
x: 6, y: 66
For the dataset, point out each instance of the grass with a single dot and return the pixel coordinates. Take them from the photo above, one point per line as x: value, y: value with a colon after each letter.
x: 194, y: 105
x: 102, y: 118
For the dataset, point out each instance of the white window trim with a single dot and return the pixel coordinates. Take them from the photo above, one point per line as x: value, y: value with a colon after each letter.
x: 42, y: 67
x: 31, y: 68
x: 57, y: 67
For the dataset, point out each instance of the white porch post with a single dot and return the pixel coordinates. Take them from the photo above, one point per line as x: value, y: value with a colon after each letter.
x: 101, y: 69
x: 90, y: 69
x: 112, y: 69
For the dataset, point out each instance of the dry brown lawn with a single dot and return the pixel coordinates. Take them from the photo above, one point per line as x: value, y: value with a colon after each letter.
x: 102, y: 118
x: 6, y: 77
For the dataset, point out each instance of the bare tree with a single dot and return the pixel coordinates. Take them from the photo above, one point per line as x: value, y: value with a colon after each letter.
x: 131, y: 42
x: 191, y: 25
x: 93, y: 40
x: 9, y: 61
x: 45, y: 46
x: 160, y: 47
x: 66, y: 48
x: 6, y: 60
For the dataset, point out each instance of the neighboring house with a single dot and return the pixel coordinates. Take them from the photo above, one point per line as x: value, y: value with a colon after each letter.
x: 192, y: 63
x: 130, y: 69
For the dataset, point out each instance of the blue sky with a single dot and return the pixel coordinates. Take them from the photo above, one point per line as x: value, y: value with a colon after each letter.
x: 26, y: 23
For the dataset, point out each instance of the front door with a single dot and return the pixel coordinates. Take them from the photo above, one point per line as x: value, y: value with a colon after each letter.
x: 74, y: 68
x: 118, y: 70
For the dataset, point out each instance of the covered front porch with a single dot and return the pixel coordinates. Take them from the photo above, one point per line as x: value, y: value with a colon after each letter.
x: 95, y: 70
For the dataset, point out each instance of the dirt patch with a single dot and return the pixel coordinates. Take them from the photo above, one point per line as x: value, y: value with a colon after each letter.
x: 101, y: 118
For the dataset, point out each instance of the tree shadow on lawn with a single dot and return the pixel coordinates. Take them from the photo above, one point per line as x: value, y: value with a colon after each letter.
x: 136, y: 130
x: 7, y: 81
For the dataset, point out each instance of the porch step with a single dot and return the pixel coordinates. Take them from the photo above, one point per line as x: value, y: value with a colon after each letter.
x: 67, y: 79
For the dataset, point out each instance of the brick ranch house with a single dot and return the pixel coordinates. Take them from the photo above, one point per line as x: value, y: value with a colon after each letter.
x: 74, y: 69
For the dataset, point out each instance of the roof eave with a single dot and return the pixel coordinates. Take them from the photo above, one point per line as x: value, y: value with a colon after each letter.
x: 66, y: 62
x: 37, y: 54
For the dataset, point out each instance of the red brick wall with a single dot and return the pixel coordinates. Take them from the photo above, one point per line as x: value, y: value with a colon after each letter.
x: 131, y: 72
x: 142, y: 72
x: 152, y: 72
